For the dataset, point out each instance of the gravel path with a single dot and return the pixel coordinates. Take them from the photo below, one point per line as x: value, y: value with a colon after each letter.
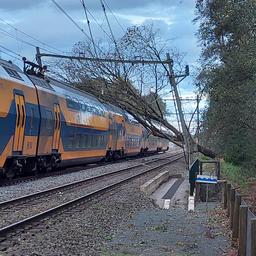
x: 155, y: 232
x: 9, y: 192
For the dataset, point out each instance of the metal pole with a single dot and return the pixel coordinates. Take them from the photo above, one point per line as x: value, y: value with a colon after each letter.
x: 135, y: 61
x: 198, y: 118
x: 178, y: 103
x: 38, y: 57
x: 207, y: 191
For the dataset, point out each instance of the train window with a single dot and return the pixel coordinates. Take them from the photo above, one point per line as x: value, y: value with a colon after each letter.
x: 81, y: 141
x: 70, y: 142
x: 89, y: 141
x: 13, y: 73
x: 85, y: 141
x: 95, y: 141
x: 84, y: 107
x: 72, y: 104
x: 40, y: 82
x: 32, y: 116
x: 48, y: 120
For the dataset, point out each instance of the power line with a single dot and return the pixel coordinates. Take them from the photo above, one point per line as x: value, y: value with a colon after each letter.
x: 31, y: 37
x: 10, y: 55
x: 111, y: 32
x: 110, y: 29
x: 7, y: 49
x: 71, y: 19
x: 21, y: 40
x: 88, y: 23
x: 114, y: 16
x: 100, y: 26
x: 74, y: 22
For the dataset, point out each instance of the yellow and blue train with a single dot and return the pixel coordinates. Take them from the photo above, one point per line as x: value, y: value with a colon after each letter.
x: 45, y: 123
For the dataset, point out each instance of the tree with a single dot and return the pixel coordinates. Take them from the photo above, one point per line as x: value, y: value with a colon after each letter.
x: 129, y: 86
x: 227, y: 34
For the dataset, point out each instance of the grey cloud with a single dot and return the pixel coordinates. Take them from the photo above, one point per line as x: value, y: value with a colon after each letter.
x: 120, y: 5
x: 13, y: 5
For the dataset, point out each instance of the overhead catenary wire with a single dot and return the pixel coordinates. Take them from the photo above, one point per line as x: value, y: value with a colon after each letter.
x: 89, y: 26
x: 109, y: 26
x: 99, y: 25
x: 71, y: 19
x: 29, y: 36
x: 11, y: 51
x: 112, y: 34
x: 114, y: 16
x: 22, y: 40
x: 10, y: 55
x: 75, y: 23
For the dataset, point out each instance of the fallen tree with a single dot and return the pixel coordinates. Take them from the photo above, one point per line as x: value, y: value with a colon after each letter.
x: 126, y: 84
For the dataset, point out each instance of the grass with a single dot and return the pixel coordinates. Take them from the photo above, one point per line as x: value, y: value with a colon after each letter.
x: 235, y: 174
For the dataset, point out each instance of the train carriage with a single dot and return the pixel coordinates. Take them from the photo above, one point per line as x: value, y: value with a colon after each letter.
x: 45, y: 123
x: 133, y: 136
x: 116, y: 143
x: 84, y: 126
x: 19, y: 119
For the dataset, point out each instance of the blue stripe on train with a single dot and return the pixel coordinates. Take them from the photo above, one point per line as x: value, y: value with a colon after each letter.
x: 7, y: 127
x: 8, y: 123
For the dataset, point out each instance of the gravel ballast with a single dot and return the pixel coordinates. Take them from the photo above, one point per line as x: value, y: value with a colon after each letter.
x: 84, y: 230
x: 21, y: 189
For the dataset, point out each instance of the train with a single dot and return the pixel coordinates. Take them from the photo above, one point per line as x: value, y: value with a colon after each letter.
x: 46, y: 124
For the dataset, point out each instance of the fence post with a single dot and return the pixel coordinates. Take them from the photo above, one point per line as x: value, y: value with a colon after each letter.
x: 243, y: 211
x: 218, y: 169
x: 225, y: 194
x: 236, y: 216
x: 228, y: 198
x: 232, y: 203
x: 253, y: 236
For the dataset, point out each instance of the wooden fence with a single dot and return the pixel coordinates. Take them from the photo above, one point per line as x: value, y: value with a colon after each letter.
x: 242, y: 220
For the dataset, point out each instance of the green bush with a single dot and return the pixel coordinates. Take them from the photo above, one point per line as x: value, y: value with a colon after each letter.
x: 235, y: 174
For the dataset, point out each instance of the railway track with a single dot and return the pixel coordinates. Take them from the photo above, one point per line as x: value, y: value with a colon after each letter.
x: 20, y: 212
x: 24, y: 179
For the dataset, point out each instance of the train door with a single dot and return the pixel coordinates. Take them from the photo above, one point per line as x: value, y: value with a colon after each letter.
x: 20, y: 123
x: 57, y: 124
x: 114, y: 134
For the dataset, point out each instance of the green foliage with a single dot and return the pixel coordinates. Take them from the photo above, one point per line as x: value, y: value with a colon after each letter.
x: 228, y: 36
x: 234, y: 174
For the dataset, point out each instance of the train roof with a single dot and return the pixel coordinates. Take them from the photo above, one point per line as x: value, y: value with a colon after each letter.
x: 69, y: 91
x: 9, y: 64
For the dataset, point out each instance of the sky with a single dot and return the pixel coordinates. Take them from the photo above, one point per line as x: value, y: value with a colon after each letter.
x: 45, y: 22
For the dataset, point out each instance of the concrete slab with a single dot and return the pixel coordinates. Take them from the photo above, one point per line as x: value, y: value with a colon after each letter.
x: 150, y: 186
x: 161, y: 191
x: 179, y: 198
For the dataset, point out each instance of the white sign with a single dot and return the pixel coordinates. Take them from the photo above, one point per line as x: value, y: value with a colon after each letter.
x: 207, y: 179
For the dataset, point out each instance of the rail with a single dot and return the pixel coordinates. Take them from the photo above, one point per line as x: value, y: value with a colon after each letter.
x: 19, y: 224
